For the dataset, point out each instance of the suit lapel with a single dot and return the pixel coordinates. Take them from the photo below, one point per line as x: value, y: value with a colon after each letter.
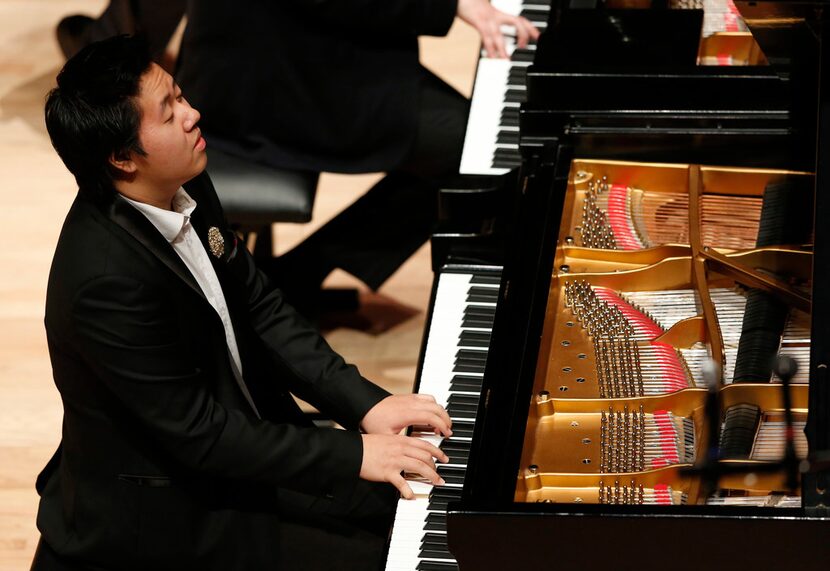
x: 135, y: 224
x: 204, y: 216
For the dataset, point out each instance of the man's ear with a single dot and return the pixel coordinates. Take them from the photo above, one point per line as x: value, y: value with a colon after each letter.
x: 123, y: 162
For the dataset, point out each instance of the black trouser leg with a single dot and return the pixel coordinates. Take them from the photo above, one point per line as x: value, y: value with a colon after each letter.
x: 156, y: 20
x: 46, y: 559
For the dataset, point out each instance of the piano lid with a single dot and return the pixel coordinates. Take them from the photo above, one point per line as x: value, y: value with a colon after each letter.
x: 612, y: 38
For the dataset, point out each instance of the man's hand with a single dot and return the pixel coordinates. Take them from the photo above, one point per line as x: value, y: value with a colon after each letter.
x: 488, y: 21
x: 396, y: 412
x: 385, y: 456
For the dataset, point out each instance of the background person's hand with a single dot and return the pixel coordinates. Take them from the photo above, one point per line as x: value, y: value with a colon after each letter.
x: 488, y: 21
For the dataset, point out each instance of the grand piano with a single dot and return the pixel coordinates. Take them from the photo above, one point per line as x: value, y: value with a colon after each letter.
x: 662, y: 222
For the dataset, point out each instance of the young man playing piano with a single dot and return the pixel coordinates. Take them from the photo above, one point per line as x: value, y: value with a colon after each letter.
x: 174, y: 356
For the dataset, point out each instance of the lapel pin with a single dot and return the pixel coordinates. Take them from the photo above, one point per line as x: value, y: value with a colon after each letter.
x: 216, y: 242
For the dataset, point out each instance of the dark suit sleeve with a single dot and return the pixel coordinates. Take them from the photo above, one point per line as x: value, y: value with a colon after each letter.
x: 320, y: 375
x: 410, y: 17
x: 131, y: 338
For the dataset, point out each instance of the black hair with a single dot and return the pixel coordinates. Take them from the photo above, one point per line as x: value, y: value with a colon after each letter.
x: 92, y: 114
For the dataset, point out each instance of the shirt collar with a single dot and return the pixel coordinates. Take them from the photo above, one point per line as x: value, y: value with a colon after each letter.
x: 170, y: 223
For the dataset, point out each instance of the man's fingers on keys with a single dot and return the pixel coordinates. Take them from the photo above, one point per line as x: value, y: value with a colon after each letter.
x: 421, y: 454
x: 434, y: 451
x: 400, y: 483
x: 415, y: 466
x: 434, y: 416
x: 426, y: 397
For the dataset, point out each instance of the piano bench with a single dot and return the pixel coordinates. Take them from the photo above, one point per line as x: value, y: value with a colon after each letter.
x: 254, y: 196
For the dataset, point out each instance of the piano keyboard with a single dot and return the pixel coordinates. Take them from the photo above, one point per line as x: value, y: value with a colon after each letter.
x: 457, y: 342
x: 491, y: 144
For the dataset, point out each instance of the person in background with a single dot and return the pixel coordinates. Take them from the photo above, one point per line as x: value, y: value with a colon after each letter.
x: 337, y: 86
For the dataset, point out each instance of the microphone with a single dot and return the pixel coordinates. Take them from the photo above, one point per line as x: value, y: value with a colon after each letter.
x: 710, y: 469
x: 785, y: 368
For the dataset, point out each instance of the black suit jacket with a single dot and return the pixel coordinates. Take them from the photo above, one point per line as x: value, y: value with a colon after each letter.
x: 309, y: 84
x: 163, y: 462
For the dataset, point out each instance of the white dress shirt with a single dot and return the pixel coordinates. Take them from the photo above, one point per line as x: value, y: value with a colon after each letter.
x: 175, y: 226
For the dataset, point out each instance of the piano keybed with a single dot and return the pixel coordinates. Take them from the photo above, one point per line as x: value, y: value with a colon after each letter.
x: 619, y: 395
x: 456, y: 344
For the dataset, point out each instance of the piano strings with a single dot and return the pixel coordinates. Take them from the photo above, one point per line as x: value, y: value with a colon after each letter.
x: 627, y: 336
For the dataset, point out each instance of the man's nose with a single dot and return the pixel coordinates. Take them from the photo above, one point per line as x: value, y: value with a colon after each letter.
x: 193, y: 117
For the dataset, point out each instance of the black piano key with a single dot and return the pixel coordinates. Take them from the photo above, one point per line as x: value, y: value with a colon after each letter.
x: 486, y: 279
x: 435, y: 554
x: 463, y: 399
x: 458, y: 457
x: 517, y: 75
x: 445, y: 494
x: 471, y: 355
x: 512, y: 161
x: 523, y: 54
x: 483, y: 294
x: 477, y: 322
x: 509, y: 117
x: 451, y: 474
x: 466, y: 383
x: 467, y: 364
x: 507, y: 137
x: 434, y: 540
x: 455, y: 445
x: 462, y: 429
x: 511, y: 152
x: 474, y: 339
x: 437, y: 566
x: 436, y: 521
x: 468, y: 368
x: 535, y: 15
x: 439, y: 504
x: 506, y: 163
x: 483, y: 310
x: 515, y: 95
x: 508, y: 155
x: 461, y: 411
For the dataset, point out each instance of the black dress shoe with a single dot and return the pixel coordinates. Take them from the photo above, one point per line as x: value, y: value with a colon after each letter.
x: 72, y: 33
